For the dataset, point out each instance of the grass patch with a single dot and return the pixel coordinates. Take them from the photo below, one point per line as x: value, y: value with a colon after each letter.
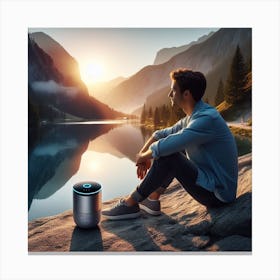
x: 241, y: 131
x: 243, y: 139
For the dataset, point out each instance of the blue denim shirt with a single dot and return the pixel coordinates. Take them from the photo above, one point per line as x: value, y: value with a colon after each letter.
x: 209, y: 144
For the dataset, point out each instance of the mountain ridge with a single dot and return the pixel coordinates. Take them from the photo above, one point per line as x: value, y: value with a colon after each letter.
x: 63, y: 61
x: 165, y: 54
x: 212, y: 57
x: 49, y: 87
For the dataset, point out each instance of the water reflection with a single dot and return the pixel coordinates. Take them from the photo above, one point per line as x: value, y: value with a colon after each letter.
x: 123, y: 142
x: 68, y: 154
x: 57, y: 157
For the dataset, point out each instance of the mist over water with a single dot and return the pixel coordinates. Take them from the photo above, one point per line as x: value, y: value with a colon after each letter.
x: 52, y: 88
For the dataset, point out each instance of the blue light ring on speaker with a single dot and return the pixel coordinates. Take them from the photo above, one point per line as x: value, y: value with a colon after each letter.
x: 87, y: 185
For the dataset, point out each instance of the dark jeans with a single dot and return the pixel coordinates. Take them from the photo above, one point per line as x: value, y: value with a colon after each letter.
x: 164, y: 170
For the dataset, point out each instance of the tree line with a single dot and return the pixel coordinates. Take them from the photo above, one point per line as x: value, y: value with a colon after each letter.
x: 164, y: 115
x: 237, y: 87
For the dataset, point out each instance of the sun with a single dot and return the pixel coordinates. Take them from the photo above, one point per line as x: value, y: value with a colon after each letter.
x: 92, y: 72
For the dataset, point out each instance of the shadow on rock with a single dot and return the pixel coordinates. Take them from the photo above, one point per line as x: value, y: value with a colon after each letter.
x: 226, y: 228
x: 86, y: 240
x: 160, y: 233
x: 133, y: 232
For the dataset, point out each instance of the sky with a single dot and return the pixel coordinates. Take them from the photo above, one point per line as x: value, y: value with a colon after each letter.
x: 106, y: 53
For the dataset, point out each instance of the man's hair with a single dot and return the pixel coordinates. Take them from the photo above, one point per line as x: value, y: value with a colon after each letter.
x: 186, y: 79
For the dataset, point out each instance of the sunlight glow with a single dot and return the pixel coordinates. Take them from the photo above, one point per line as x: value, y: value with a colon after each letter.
x: 94, y: 166
x: 92, y: 72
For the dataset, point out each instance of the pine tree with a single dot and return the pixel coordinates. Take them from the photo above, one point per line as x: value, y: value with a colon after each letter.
x: 172, y: 117
x: 165, y: 115
x: 220, y: 96
x: 143, y: 115
x: 249, y: 65
x: 156, y: 117
x: 234, y: 92
x: 150, y: 114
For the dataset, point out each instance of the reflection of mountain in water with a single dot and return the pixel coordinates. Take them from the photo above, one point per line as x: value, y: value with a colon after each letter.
x: 125, y: 141
x: 57, y: 157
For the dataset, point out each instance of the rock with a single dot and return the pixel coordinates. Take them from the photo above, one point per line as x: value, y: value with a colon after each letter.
x: 232, y: 243
x: 184, y: 225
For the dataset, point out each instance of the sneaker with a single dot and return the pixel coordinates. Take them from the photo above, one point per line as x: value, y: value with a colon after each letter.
x: 121, y: 211
x: 150, y: 206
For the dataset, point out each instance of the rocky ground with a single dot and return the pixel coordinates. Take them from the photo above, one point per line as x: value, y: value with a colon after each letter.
x: 184, y: 225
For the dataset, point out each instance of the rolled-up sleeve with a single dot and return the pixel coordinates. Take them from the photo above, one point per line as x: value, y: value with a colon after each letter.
x: 159, y: 134
x: 199, y: 131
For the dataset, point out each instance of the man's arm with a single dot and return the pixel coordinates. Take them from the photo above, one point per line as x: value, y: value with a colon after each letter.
x: 159, y: 134
x: 143, y: 158
x: 199, y: 131
x: 146, y: 146
x: 145, y: 153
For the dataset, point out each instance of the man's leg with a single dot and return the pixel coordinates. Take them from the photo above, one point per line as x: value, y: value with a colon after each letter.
x: 203, y: 196
x: 158, y: 192
x: 162, y: 173
x: 159, y: 175
x: 152, y: 204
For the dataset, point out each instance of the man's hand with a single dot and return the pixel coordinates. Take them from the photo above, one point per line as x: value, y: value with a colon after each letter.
x: 142, y: 168
x: 143, y: 163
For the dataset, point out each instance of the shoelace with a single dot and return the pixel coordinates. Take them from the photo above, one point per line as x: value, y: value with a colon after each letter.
x: 120, y: 202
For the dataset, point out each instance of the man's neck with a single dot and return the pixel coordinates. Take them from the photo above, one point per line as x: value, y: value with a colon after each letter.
x: 188, y: 109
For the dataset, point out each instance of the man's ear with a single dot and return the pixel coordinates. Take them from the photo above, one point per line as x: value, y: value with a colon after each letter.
x: 186, y: 92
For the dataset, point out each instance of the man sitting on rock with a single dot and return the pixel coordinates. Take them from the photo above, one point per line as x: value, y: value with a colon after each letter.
x: 199, y: 151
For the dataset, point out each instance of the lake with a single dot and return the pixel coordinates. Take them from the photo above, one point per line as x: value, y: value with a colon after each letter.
x: 69, y: 153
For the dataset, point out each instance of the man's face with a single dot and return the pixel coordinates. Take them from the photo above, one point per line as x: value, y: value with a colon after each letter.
x: 175, y: 94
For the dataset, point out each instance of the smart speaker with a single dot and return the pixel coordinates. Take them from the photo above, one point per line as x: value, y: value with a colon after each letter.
x: 87, y: 203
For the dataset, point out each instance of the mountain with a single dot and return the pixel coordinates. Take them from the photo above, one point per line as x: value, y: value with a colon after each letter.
x: 156, y: 99
x: 131, y: 93
x: 165, y: 54
x: 212, y: 57
x: 100, y: 90
x: 56, y: 89
x: 40, y: 65
x: 62, y: 60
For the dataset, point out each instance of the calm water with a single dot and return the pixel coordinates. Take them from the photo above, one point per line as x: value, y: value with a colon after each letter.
x: 69, y: 153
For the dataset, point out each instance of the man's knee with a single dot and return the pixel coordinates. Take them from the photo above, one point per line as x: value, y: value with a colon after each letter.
x: 170, y: 158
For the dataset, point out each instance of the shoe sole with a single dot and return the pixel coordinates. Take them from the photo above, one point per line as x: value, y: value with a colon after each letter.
x: 149, y: 211
x: 123, y: 217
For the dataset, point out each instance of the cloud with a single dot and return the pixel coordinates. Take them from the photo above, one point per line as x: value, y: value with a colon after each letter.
x: 51, y: 87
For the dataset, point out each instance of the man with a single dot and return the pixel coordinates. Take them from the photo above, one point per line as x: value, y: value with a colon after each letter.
x: 199, y: 151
